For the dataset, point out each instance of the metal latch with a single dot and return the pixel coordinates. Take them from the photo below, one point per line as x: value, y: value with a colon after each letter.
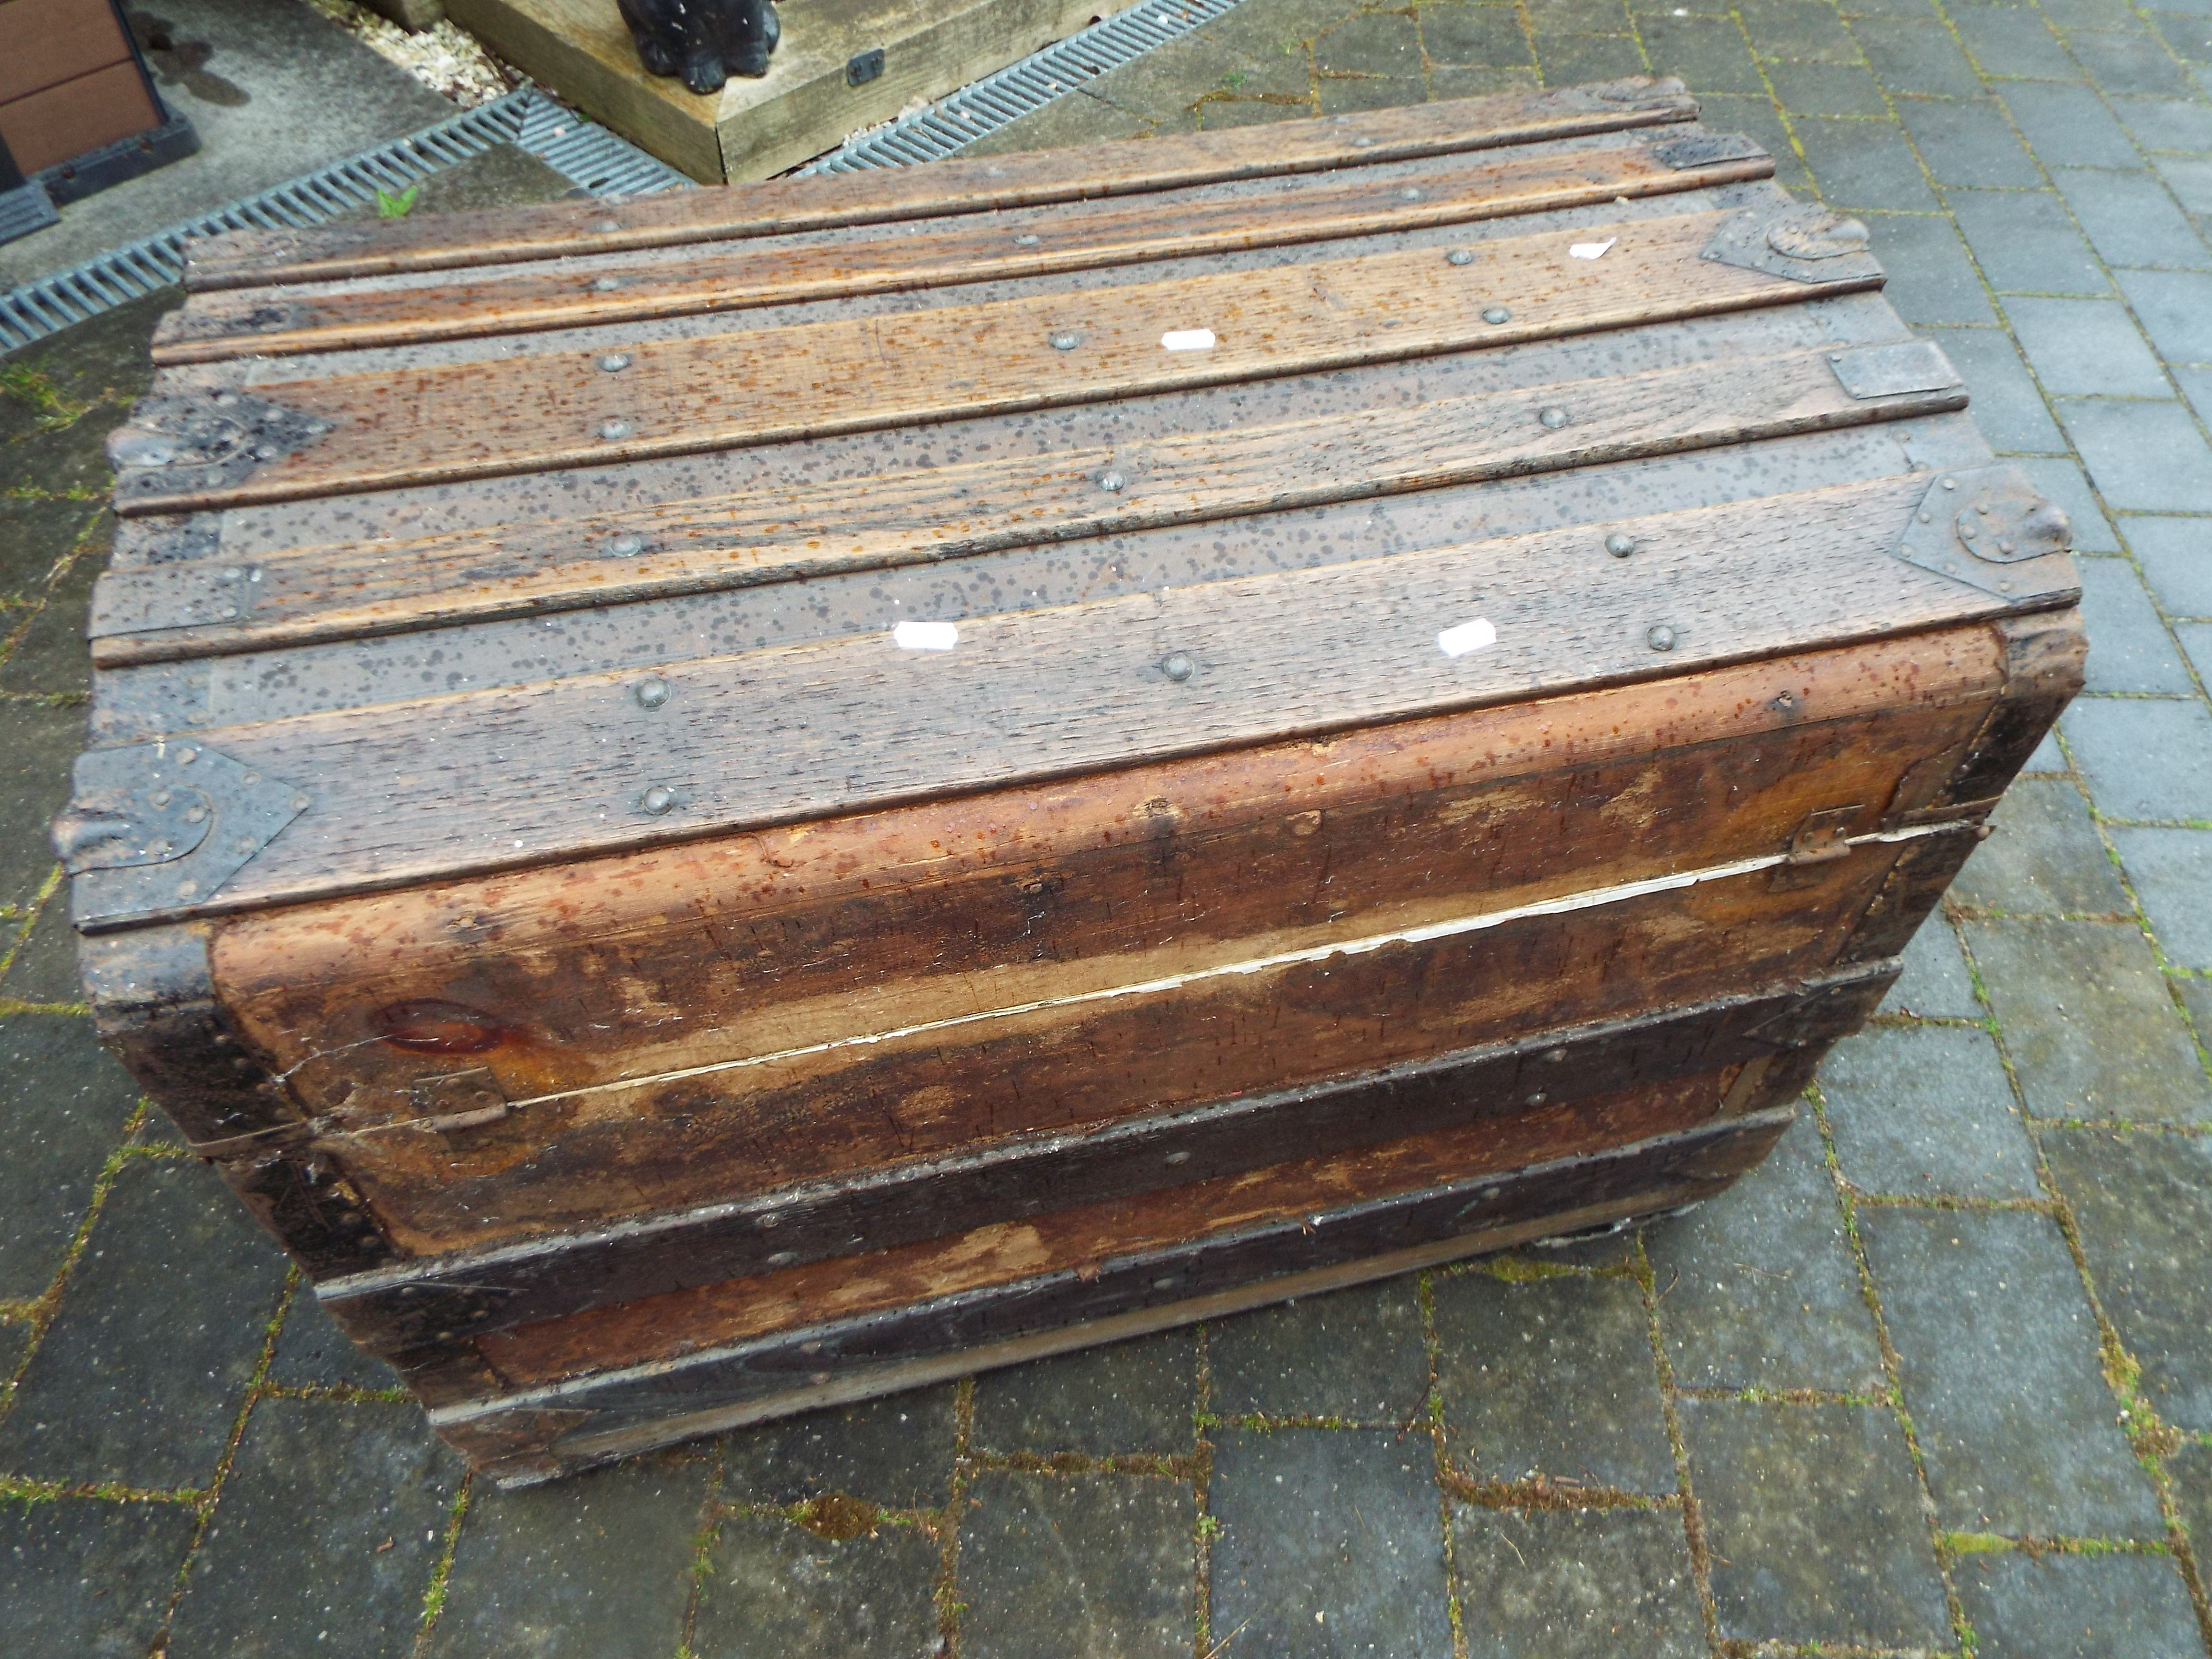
x: 459, y: 1102
x: 1809, y: 245
x: 1822, y: 838
x: 160, y: 827
x: 1986, y: 526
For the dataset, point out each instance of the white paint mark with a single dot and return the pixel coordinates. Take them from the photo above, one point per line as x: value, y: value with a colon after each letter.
x: 925, y: 636
x: 1187, y: 339
x: 1592, y: 250
x: 1467, y: 636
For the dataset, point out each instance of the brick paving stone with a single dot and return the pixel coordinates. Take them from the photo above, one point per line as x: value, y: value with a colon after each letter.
x: 2143, y: 457
x: 1331, y: 1544
x: 1387, y: 44
x: 2048, y: 756
x: 598, y: 1567
x: 1100, y: 1566
x: 1803, y: 31
x: 2167, y: 124
x: 1484, y: 35
x: 2113, y: 738
x: 324, y: 1539
x: 2068, y: 126
x: 49, y: 658
x: 2087, y: 1020
x: 2197, y: 644
x: 897, y: 1452
x: 2130, y: 220
x: 1814, y: 1524
x: 1552, y: 1376
x: 2076, y: 1606
x: 1997, y: 1353
x: 2080, y: 347
x: 2143, y: 1206
x: 2133, y: 651
x: 1757, y: 118
x: 1968, y: 142
x: 1564, y: 1583
x: 2176, y: 309
x: 2122, y: 63
x: 2007, y: 405
x: 44, y: 967
x: 2063, y: 480
x: 772, y: 1589
x: 14, y: 1343
x: 1936, y: 983
x: 1709, y: 53
x: 34, y: 537
x: 2188, y: 36
x: 1757, y: 1289
x: 1127, y: 1397
x: 1917, y: 54
x: 2043, y: 857
x: 1354, y: 1353
x: 2014, y: 42
x: 141, y: 1375
x: 63, y: 1101
x: 1931, y: 279
x: 1868, y: 164
x: 1568, y: 58
x: 2071, y: 17
x: 83, y: 1578
x: 2196, y: 383
x: 42, y: 746
x: 2171, y: 872
x: 1827, y: 89
x: 2026, y: 243
x: 2190, y: 1470
x: 1927, y: 1111
x: 312, y: 1352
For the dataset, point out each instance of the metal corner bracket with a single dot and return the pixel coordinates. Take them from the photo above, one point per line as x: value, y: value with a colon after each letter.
x: 1805, y: 243
x: 1989, y: 527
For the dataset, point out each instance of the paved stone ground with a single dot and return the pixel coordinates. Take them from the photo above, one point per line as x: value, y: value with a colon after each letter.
x: 1938, y: 1377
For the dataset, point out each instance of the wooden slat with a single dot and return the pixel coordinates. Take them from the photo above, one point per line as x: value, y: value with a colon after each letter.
x: 1122, y: 167
x: 1112, y: 231
x: 481, y: 419
x: 464, y: 1294
x: 963, y: 509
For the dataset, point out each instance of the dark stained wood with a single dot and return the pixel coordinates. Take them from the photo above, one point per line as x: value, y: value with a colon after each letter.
x: 1112, y: 231
x: 561, y: 229
x: 965, y: 509
x: 464, y: 1294
x: 481, y: 419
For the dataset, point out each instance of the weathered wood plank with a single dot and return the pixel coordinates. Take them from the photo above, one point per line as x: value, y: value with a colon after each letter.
x: 465, y: 1293
x: 961, y: 509
x: 1078, y: 236
x: 559, y: 229
x: 351, y: 433
x: 1340, y: 1226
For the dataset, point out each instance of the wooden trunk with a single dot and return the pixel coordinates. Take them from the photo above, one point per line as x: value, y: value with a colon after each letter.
x: 720, y: 803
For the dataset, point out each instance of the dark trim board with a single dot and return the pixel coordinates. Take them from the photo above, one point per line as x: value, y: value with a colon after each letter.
x: 452, y: 1297
x: 523, y: 1438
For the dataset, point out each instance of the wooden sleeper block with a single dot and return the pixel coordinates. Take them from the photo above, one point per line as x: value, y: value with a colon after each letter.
x: 933, y: 845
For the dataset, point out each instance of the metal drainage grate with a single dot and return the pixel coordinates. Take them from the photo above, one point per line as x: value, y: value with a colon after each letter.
x: 995, y: 100
x: 589, y: 155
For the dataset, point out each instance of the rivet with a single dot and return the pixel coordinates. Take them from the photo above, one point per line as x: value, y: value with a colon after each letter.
x: 186, y: 756
x: 1983, y: 509
x: 2005, y: 546
x: 1911, y: 552
x: 1923, y: 518
x: 1169, y: 1284
x: 1409, y: 194
x: 652, y: 693
x: 1660, y: 637
x: 229, y: 612
x: 1112, y: 482
x: 615, y: 428
x: 1066, y: 340
x: 252, y: 778
x: 243, y: 844
x: 628, y: 543
x: 300, y: 803
x: 195, y: 815
x: 1966, y: 531
x: 187, y: 887
x: 603, y: 226
x: 1027, y: 239
x: 1361, y: 144
x: 1619, y: 545
x: 615, y: 361
x: 657, y: 800
x: 162, y: 850
x: 1459, y: 256
x: 1950, y: 484
x: 783, y: 1259
x: 608, y: 284
x: 1177, y: 665
x: 1496, y: 314
x: 1178, y: 1158
x: 266, y: 451
x: 1835, y: 356
x: 317, y: 427
x: 160, y: 798
x: 1553, y: 419
x: 2004, y: 587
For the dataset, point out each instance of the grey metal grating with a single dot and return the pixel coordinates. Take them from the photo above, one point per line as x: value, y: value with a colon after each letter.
x: 993, y: 102
x: 580, y: 151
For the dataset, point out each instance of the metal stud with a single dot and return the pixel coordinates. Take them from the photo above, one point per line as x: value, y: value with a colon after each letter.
x: 1409, y: 194
x: 657, y: 800
x: 1362, y: 143
x: 1027, y: 239
x: 195, y: 814
x: 187, y: 887
x: 615, y: 361
x: 784, y: 1259
x: 245, y: 844
x: 603, y: 226
x: 628, y: 543
x: 608, y: 284
x: 1113, y: 483
x: 301, y: 802
x: 1177, y: 665
x: 652, y: 692
x: 1459, y: 256
x: 1066, y: 340
x: 1950, y: 484
x: 1619, y: 545
x: 1552, y: 419
x: 160, y: 798
x: 1496, y: 314
x: 616, y: 428
x: 1660, y: 637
